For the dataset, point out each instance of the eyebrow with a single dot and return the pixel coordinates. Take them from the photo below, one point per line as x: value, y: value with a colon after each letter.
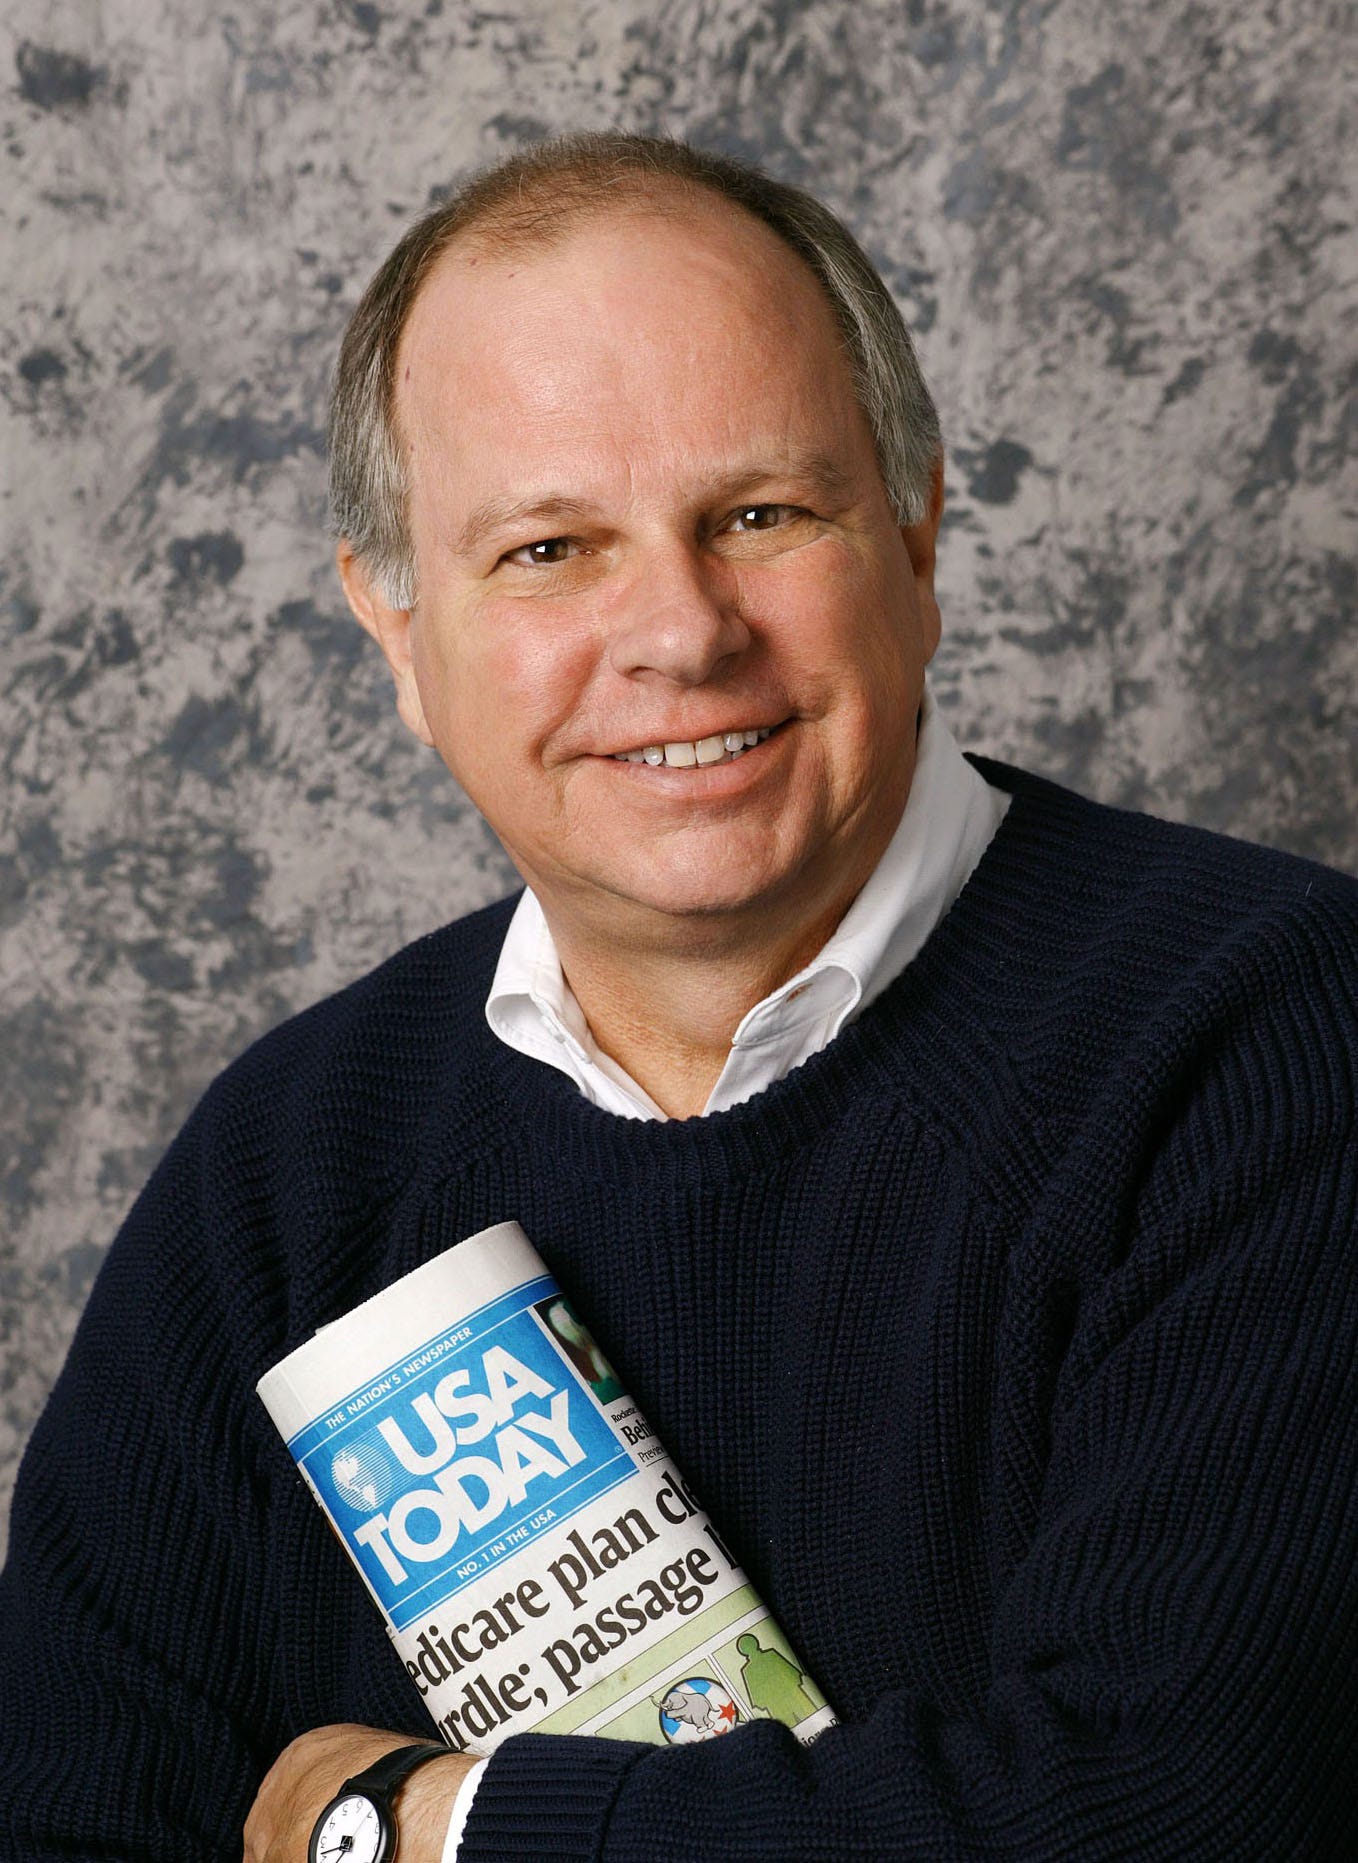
x: 497, y: 513
x: 492, y: 514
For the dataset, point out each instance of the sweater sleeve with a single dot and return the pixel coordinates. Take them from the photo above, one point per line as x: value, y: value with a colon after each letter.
x: 131, y: 1727
x: 1174, y: 1652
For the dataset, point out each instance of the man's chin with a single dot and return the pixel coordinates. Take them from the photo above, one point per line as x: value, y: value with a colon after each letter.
x: 750, y: 908
x: 656, y: 891
x: 651, y: 907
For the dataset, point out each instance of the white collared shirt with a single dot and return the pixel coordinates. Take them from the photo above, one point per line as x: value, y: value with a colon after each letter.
x: 949, y: 817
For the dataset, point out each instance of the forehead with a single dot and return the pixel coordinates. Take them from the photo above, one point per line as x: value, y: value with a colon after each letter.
x: 632, y: 341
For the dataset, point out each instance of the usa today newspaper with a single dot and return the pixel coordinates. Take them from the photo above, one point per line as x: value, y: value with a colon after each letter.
x: 540, y: 1562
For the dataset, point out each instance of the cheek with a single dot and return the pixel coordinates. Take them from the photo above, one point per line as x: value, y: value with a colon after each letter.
x: 538, y: 668
x: 839, y: 626
x: 497, y: 680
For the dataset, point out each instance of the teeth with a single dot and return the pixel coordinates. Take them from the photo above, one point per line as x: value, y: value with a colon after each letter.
x: 698, y: 752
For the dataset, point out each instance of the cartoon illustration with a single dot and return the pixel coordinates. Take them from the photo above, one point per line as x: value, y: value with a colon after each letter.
x: 772, y: 1683
x: 697, y: 1709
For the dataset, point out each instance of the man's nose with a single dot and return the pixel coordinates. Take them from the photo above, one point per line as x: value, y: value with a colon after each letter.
x: 679, y: 619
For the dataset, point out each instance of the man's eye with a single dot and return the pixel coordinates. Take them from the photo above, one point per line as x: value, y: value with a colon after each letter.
x: 543, y: 554
x: 762, y: 517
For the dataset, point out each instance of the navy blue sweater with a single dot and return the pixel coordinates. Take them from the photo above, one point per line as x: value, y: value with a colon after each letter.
x: 1010, y: 1341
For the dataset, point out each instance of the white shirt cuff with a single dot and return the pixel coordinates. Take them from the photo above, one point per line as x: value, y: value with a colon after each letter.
x: 462, y: 1805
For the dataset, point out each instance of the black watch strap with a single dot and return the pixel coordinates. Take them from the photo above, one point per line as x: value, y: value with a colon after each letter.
x: 381, y: 1778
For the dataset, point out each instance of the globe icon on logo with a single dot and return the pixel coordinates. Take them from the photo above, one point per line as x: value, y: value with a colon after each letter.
x: 697, y: 1709
x: 362, y: 1474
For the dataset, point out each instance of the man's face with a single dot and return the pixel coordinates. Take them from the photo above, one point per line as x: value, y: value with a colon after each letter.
x: 646, y: 511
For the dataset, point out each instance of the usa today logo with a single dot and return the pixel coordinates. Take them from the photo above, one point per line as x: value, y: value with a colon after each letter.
x: 455, y: 1466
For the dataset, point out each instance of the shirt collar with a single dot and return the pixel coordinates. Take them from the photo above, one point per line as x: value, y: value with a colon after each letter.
x: 531, y: 1007
x: 944, y: 827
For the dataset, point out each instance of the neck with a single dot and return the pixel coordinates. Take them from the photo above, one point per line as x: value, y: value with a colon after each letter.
x: 668, y: 1015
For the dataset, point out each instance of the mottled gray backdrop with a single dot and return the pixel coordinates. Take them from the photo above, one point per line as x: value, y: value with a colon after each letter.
x: 1123, y: 233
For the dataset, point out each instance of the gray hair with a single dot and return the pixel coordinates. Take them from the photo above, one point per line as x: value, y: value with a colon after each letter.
x: 533, y: 198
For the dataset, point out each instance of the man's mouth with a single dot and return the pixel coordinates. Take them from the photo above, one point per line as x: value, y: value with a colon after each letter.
x: 699, y: 752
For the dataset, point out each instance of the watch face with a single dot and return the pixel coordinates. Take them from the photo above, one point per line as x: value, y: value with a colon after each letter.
x: 351, y: 1831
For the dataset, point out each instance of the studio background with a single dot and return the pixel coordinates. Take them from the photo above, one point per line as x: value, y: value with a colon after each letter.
x: 1123, y: 236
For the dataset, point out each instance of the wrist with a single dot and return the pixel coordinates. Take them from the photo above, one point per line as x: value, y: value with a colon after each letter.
x: 424, y: 1805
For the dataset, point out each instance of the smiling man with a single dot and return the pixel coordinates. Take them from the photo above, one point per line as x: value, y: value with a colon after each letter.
x: 670, y: 633
x: 960, y: 1173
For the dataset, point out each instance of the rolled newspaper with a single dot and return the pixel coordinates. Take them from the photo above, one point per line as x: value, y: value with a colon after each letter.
x: 540, y: 1562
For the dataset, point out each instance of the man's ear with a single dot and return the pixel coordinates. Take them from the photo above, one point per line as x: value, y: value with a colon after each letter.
x: 391, y: 629
x: 921, y: 540
x: 921, y: 544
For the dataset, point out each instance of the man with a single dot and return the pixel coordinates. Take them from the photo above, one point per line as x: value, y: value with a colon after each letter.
x: 990, y: 1151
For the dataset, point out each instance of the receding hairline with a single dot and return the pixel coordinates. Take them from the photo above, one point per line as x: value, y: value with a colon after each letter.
x: 643, y: 197
x: 549, y: 207
x: 524, y: 230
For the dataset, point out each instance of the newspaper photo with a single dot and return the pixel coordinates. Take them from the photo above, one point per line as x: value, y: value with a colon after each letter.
x: 540, y: 1562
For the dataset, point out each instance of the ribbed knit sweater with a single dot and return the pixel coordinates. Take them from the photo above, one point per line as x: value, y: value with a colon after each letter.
x: 1010, y: 1341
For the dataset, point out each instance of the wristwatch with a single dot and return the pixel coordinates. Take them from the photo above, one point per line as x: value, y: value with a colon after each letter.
x: 359, y: 1825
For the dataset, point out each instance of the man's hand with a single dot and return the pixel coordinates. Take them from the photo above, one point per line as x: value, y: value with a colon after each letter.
x: 308, y: 1773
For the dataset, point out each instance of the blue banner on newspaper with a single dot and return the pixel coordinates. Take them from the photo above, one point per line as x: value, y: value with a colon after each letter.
x: 457, y: 1456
